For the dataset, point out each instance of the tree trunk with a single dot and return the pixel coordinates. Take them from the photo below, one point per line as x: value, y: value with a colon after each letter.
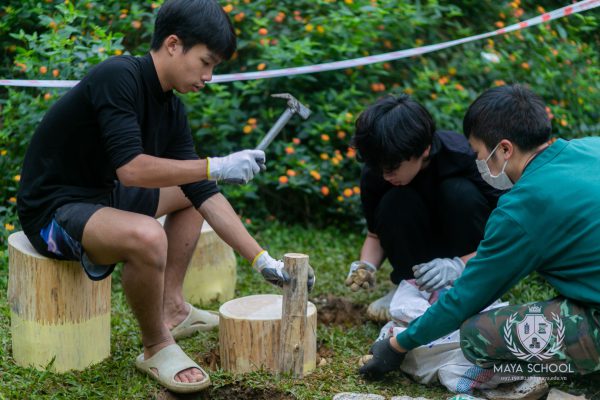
x: 293, y: 319
x: 57, y: 312
x: 212, y: 273
x: 249, y: 334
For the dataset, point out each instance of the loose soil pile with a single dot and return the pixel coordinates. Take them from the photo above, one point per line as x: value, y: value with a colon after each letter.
x: 235, y: 391
x: 334, y: 310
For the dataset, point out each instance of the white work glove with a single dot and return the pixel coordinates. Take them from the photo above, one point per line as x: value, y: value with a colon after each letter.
x: 361, y: 275
x: 438, y: 273
x: 273, y: 272
x: 238, y: 167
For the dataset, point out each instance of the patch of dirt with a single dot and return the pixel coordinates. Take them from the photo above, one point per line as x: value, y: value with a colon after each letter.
x: 334, y: 310
x: 235, y: 391
x: 324, y: 354
x: 322, y: 351
x: 210, y: 360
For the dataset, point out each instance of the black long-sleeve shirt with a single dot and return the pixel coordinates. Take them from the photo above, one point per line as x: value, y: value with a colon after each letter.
x: 117, y: 112
x: 450, y: 156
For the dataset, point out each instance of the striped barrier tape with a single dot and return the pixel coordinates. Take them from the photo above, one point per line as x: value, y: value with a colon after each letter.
x: 332, y: 66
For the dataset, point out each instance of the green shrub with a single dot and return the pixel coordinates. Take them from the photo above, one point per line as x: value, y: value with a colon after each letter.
x: 312, y: 174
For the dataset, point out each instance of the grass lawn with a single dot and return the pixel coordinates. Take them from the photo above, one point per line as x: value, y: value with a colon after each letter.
x: 330, y: 252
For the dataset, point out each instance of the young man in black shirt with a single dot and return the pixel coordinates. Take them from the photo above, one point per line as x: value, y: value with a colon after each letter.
x: 116, y: 152
x: 422, y: 196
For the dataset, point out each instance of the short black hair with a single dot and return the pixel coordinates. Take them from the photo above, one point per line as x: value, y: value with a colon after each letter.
x: 512, y: 112
x: 392, y: 130
x: 195, y: 22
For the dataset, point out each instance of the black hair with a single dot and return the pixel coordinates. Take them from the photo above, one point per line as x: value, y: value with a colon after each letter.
x: 195, y: 22
x: 512, y: 112
x: 392, y: 130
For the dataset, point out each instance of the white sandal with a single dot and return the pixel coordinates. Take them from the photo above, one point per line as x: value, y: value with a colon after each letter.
x: 166, y: 364
x: 197, y: 320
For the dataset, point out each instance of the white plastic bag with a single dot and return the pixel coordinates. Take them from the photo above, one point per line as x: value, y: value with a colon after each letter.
x: 441, y: 360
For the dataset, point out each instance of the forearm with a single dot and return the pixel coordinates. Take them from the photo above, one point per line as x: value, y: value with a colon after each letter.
x: 465, y: 259
x: 154, y: 172
x: 371, y: 250
x: 222, y: 218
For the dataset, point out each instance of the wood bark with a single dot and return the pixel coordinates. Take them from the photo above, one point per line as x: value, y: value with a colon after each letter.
x: 293, y: 319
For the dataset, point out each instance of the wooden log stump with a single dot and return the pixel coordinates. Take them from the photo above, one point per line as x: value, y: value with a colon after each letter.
x: 212, y: 273
x: 249, y: 334
x: 57, y: 312
x: 293, y: 318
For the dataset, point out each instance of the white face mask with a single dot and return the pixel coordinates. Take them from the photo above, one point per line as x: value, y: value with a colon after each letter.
x: 500, y: 181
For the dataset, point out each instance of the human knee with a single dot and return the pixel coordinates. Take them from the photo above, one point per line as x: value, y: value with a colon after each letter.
x: 460, y: 194
x: 149, y: 243
x: 481, y: 339
x: 396, y: 202
x: 400, y: 214
x: 469, y: 343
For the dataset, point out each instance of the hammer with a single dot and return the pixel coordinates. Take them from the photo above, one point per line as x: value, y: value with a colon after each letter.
x: 294, y: 107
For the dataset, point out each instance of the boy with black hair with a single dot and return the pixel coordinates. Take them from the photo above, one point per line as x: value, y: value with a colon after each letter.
x: 549, y: 222
x: 424, y: 201
x: 114, y: 153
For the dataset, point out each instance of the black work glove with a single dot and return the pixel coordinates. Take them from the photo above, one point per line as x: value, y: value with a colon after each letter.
x: 273, y: 272
x: 385, y: 359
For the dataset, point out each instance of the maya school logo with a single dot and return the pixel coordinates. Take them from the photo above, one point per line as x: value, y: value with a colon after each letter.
x: 535, y: 333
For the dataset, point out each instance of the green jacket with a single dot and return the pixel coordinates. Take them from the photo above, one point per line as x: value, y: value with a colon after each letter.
x: 549, y: 222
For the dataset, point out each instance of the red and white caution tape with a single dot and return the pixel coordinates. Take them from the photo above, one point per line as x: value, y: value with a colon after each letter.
x: 395, y: 55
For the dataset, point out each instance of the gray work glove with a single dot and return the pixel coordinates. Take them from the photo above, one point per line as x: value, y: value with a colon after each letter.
x: 438, y: 273
x: 385, y: 359
x: 361, y: 275
x: 273, y: 272
x: 238, y: 167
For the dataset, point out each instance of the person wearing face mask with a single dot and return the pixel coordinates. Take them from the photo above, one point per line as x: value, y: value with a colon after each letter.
x: 424, y: 201
x: 549, y: 223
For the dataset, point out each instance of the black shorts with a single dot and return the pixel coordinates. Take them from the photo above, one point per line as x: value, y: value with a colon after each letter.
x: 62, y: 237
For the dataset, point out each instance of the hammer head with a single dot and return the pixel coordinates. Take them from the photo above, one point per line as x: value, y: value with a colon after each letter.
x: 294, y: 104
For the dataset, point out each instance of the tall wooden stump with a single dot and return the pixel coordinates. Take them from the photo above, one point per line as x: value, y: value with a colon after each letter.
x: 293, y: 318
x: 57, y: 312
x: 249, y: 334
x: 212, y: 273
